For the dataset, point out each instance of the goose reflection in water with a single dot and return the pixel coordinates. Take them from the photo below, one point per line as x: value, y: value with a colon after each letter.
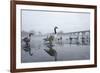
x: 49, y: 43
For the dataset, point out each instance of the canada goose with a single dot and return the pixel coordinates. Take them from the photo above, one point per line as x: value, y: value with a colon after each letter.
x: 27, y: 47
x: 55, y: 29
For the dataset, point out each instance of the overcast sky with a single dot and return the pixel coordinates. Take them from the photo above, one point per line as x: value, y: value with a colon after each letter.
x: 45, y: 21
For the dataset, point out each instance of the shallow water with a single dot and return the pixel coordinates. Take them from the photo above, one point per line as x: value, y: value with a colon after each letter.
x: 65, y: 52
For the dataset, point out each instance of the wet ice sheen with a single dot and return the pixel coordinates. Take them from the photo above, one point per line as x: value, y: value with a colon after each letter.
x: 65, y: 52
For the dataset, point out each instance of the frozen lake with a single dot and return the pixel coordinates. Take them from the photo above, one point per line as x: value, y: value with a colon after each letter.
x: 65, y: 52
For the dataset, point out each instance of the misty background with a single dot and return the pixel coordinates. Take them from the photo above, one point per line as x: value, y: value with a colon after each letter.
x: 44, y: 21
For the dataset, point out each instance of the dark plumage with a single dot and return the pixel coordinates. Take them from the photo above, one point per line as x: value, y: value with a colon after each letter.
x: 55, y: 29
